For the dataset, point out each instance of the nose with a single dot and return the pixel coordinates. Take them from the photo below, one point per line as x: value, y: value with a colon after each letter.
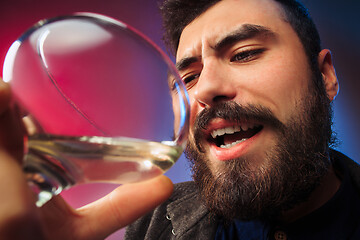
x: 214, y: 85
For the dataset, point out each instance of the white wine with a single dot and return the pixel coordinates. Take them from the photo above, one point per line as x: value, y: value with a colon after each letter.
x: 54, y: 163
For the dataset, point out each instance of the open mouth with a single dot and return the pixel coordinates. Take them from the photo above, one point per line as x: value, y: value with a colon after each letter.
x: 228, y: 137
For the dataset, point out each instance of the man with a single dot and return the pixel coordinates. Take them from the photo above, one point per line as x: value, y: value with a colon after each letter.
x: 261, y: 90
x: 259, y: 141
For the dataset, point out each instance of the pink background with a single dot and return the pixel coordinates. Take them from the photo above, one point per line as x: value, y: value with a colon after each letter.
x: 338, y: 22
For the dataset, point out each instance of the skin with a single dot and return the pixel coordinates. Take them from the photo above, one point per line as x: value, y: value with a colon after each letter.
x: 21, y: 219
x: 273, y: 73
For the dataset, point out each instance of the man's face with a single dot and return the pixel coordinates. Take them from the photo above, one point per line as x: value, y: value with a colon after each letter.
x: 248, y: 79
x: 269, y: 69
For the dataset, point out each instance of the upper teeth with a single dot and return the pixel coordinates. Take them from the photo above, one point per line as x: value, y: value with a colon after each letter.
x: 232, y: 130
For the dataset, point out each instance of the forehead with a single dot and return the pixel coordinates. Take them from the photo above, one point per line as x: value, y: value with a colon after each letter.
x: 226, y: 16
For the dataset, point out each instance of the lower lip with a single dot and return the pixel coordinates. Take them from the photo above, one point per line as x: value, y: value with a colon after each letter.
x: 224, y: 154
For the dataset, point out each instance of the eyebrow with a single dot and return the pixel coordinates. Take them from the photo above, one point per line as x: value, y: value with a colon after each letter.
x: 244, y: 32
x: 185, y: 62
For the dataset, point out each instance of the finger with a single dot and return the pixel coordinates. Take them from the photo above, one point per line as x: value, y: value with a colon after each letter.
x: 5, y: 96
x: 18, y: 218
x: 121, y: 207
x: 11, y: 127
x: 58, y: 218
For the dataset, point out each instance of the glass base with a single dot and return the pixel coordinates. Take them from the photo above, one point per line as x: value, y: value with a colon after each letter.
x: 44, y: 180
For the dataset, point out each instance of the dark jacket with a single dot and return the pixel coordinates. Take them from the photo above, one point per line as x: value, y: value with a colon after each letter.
x: 184, y: 217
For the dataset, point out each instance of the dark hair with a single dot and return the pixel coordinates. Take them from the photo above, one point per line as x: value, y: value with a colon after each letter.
x: 177, y: 14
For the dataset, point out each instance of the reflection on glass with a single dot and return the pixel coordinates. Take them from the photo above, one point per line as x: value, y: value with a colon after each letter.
x: 101, y: 103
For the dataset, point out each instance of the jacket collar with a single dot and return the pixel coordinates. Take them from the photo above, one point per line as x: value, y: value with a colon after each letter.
x: 190, y: 218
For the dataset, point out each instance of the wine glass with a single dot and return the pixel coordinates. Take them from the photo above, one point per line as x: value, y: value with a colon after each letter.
x: 101, y: 103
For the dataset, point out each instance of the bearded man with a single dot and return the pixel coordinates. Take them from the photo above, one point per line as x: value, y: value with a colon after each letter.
x: 261, y: 89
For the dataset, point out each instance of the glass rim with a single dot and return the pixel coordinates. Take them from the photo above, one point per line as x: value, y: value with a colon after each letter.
x: 182, y: 131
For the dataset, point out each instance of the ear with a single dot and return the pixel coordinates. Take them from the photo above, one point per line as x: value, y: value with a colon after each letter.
x: 328, y: 73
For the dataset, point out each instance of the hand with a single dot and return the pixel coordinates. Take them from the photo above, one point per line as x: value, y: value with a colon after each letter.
x: 21, y: 219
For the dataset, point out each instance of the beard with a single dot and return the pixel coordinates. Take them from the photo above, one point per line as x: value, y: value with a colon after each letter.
x: 289, y: 172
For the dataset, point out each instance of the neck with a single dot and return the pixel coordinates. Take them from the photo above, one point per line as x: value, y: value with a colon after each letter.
x: 323, y: 193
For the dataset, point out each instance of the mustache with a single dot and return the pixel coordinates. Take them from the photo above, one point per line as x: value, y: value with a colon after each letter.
x: 234, y: 112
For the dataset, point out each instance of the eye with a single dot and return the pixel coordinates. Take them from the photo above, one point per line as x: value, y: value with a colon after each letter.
x: 247, y: 55
x: 190, y: 79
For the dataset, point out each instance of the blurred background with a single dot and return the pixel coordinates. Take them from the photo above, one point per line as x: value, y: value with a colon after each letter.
x: 339, y: 27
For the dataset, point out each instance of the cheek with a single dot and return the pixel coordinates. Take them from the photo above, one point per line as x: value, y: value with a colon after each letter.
x: 193, y: 112
x: 278, y: 83
x: 177, y: 113
x: 291, y: 79
x: 194, y: 107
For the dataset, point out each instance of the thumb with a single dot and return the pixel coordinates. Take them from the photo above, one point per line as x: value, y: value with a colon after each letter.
x: 121, y: 207
x: 11, y: 127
